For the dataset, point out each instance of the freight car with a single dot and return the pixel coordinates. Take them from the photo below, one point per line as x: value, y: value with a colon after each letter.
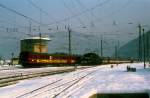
x: 28, y: 59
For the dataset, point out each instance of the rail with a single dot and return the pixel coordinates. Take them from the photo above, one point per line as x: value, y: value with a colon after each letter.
x: 4, y: 81
x: 54, y: 85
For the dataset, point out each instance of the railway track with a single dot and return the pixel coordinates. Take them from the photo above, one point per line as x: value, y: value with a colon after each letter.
x: 57, y: 87
x: 4, y: 81
x: 14, y: 77
x: 80, y: 79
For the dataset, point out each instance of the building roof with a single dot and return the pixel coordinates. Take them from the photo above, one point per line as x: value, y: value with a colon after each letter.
x: 37, y: 37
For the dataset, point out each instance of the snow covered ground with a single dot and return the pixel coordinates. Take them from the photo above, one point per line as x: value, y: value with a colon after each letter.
x: 14, y: 71
x: 83, y: 83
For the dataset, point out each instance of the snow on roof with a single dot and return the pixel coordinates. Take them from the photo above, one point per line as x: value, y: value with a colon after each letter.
x: 37, y: 37
x: 103, y: 79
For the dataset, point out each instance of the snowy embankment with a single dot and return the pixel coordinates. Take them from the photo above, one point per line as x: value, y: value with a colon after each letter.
x: 83, y: 83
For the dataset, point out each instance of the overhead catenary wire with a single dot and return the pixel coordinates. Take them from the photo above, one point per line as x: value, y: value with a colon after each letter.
x: 68, y: 8
x: 82, y: 12
x: 75, y: 7
x: 18, y: 26
x: 92, y: 23
x: 20, y: 14
x: 116, y: 11
x: 122, y: 7
x: 59, y: 21
x: 11, y: 29
x: 11, y: 22
x: 41, y: 10
x: 84, y: 7
x: 70, y: 17
x: 92, y: 8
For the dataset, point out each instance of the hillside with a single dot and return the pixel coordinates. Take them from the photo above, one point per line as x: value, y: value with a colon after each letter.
x: 130, y: 50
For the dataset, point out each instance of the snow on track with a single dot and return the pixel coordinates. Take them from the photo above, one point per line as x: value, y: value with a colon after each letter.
x: 15, y: 72
x: 83, y: 83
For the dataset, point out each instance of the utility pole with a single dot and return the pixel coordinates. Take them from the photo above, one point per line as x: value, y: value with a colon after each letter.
x: 116, y: 52
x: 144, y: 47
x: 140, y: 43
x: 12, y: 56
x: 118, y: 45
x: 147, y: 47
x: 40, y: 21
x: 69, y: 48
x: 30, y: 29
x: 40, y: 44
x: 69, y: 31
x: 101, y: 45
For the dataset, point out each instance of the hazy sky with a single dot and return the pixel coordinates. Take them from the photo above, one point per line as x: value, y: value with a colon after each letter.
x: 106, y: 15
x: 100, y: 17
